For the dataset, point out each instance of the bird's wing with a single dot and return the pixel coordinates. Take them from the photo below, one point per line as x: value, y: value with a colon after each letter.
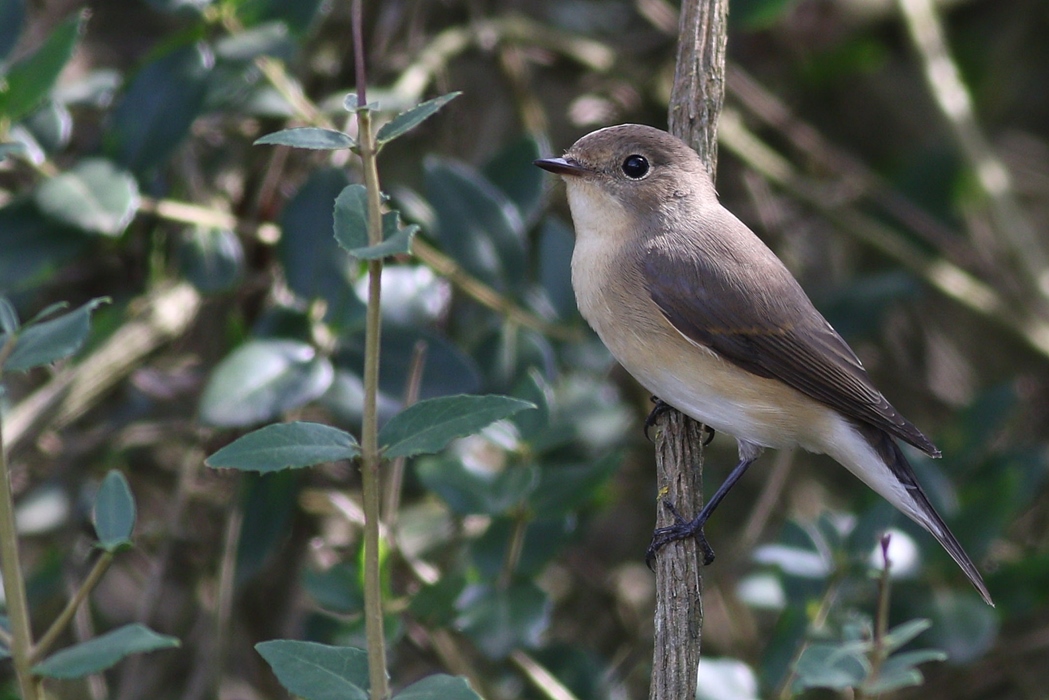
x: 752, y: 312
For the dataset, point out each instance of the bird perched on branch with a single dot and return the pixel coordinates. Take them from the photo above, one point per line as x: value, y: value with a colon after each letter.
x: 699, y: 310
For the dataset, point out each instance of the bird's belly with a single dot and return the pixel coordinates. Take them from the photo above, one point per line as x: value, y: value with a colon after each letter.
x: 725, y: 397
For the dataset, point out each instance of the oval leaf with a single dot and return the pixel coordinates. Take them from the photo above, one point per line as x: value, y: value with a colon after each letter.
x: 308, y: 137
x: 27, y: 82
x: 114, y: 513
x: 159, y: 106
x: 261, y: 379
x: 94, y: 196
x: 409, y: 119
x: 52, y: 340
x: 439, y: 687
x: 351, y: 217
x: 212, y: 259
x: 500, y: 620
x: 285, y: 446
x: 102, y: 652
x: 430, y: 425
x: 317, y: 671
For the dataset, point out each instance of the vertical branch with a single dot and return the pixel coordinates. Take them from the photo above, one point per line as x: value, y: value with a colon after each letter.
x: 371, y: 459
x: 11, y: 569
x: 679, y: 599
x: 699, y: 77
x: 695, y: 103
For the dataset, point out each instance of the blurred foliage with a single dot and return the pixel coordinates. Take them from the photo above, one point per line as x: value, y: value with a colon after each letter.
x: 127, y: 168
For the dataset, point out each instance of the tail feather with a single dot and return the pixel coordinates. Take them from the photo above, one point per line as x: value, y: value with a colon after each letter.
x: 920, y: 509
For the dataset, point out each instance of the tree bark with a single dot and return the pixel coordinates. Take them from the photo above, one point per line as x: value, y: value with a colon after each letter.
x: 695, y: 103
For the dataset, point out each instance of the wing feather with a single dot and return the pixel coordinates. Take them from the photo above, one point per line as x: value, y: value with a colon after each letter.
x: 750, y: 310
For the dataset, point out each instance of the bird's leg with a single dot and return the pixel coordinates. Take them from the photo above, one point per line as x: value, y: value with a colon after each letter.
x: 662, y: 407
x: 682, y: 528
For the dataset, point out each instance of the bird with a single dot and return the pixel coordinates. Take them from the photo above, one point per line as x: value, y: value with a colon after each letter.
x: 697, y: 308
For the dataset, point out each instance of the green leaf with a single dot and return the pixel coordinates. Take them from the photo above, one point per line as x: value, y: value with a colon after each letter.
x: 34, y: 246
x: 903, y: 633
x: 899, y: 671
x: 285, y: 446
x: 262, y: 379
x: 439, y: 687
x: 563, y: 488
x: 338, y: 589
x: 351, y: 227
x: 317, y: 671
x: 270, y: 38
x: 159, y: 107
x: 94, y: 195
x: 500, y: 620
x: 477, y: 224
x: 12, y: 148
x: 102, y: 652
x: 397, y: 241
x: 350, y: 218
x: 114, y: 513
x: 313, y: 263
x: 831, y: 666
x: 513, y: 172
x: 212, y: 259
x: 8, y: 317
x: 311, y: 137
x: 409, y: 119
x: 29, y: 81
x: 962, y: 625
x: 52, y: 340
x: 430, y: 425
x: 12, y: 15
x: 475, y: 492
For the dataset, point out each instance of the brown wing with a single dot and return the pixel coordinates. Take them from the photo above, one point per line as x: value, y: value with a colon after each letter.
x: 750, y: 310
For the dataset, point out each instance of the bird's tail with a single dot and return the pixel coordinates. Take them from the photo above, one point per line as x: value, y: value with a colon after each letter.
x: 913, y: 502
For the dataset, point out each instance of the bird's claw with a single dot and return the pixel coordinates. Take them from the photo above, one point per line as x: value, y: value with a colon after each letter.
x: 662, y: 407
x: 680, y: 530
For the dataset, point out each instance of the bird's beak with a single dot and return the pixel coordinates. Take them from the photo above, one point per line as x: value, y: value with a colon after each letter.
x: 561, y: 166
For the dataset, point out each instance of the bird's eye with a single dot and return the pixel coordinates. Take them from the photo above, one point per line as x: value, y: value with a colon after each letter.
x: 635, y: 167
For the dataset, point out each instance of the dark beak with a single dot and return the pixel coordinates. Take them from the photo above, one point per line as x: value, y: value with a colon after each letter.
x: 561, y: 166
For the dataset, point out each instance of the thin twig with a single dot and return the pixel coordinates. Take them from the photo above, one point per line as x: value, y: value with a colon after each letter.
x: 942, y: 275
x: 59, y: 625
x: 944, y: 81
x: 11, y: 568
x: 395, y: 479
x: 540, y: 678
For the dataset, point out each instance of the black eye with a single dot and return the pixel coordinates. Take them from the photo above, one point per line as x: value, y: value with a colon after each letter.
x: 635, y: 167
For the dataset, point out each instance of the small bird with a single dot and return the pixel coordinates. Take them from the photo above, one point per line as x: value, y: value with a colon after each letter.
x: 699, y: 310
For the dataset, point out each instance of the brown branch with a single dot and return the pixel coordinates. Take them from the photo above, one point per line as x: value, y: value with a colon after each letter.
x: 695, y: 103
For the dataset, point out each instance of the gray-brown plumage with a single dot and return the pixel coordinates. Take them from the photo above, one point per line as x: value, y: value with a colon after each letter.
x: 705, y: 316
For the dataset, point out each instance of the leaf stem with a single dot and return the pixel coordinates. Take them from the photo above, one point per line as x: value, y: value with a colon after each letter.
x: 371, y: 459
x: 11, y: 569
x: 58, y: 626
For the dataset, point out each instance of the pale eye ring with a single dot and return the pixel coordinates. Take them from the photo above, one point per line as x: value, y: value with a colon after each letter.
x: 635, y: 166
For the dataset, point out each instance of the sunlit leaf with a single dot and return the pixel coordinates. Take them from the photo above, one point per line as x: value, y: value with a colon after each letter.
x: 317, y: 671
x: 94, y: 195
x: 286, y: 446
x: 28, y: 81
x: 114, y: 512
x: 439, y: 687
x: 430, y: 425
x: 409, y: 119
x: 102, y: 652
x: 52, y: 340
x: 308, y: 137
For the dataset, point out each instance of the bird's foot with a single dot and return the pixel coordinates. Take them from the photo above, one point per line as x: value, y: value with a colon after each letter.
x: 662, y: 407
x: 680, y: 530
x: 658, y: 409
